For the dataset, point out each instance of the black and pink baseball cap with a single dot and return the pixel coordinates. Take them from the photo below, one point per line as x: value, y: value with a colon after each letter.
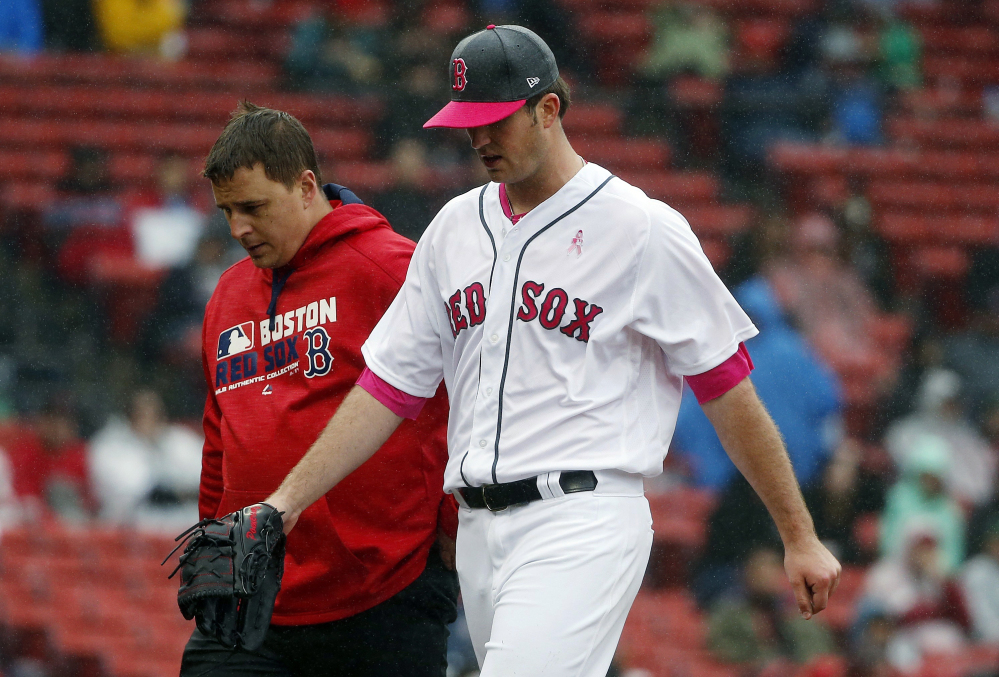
x: 493, y: 72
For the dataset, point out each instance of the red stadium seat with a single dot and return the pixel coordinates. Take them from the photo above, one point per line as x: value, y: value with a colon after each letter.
x: 718, y: 220
x: 631, y: 28
x: 960, y: 39
x: 363, y: 177
x: 116, y: 102
x: 977, y: 135
x: 761, y: 38
x: 249, y: 15
x: 966, y: 69
x: 695, y: 93
x: 624, y: 153
x: 678, y: 189
x: 97, y: 69
x: 944, y: 102
x: 941, y: 262
x: 593, y: 120
x: 808, y: 158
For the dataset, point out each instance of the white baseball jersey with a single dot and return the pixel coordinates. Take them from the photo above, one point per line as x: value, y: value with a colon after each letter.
x: 563, y: 340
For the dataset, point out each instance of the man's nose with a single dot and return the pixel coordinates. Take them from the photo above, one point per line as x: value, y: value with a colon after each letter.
x: 478, y: 136
x: 239, y: 226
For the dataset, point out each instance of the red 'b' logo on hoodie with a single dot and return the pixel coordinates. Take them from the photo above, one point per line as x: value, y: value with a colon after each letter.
x: 459, y: 70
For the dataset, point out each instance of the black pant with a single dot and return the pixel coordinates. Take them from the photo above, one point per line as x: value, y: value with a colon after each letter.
x: 404, y: 636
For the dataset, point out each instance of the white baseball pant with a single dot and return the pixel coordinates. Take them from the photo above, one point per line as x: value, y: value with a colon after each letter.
x: 547, y: 586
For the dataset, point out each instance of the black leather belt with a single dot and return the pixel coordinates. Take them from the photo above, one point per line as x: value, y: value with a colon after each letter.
x: 496, y: 497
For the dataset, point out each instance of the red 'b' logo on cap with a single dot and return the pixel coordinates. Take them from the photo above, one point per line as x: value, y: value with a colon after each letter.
x: 459, y: 71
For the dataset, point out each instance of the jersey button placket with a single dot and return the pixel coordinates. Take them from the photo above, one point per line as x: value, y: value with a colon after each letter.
x: 492, y: 351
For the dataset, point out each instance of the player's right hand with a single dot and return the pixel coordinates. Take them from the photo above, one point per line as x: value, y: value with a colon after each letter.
x: 813, y: 573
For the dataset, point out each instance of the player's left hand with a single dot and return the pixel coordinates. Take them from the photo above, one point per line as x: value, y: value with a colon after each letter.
x: 446, y: 545
x: 813, y: 573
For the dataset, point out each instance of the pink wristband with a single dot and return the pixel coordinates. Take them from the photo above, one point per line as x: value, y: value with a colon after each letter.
x: 718, y: 381
x: 400, y: 403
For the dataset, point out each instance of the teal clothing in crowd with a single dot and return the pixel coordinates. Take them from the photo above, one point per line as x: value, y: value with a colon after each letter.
x: 910, y: 507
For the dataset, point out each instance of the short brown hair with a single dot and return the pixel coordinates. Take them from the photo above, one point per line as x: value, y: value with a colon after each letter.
x: 559, y: 88
x: 275, y: 139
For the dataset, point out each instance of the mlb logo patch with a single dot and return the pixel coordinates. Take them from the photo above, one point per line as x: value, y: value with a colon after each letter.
x: 235, y: 340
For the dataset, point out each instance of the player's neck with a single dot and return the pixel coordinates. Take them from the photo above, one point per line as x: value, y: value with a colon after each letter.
x: 560, y: 165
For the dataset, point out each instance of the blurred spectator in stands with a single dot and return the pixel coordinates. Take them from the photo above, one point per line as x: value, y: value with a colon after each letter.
x: 766, y: 241
x: 89, y: 173
x: 87, y: 216
x: 986, y: 515
x: 869, y: 645
x: 847, y: 490
x: 972, y: 352
x: 761, y: 105
x: 762, y: 624
x: 69, y: 25
x: 50, y: 461
x: 173, y: 330
x: 866, y: 250
x: 411, y: 103
x: 146, y: 470
x: 899, y: 53
x: 407, y: 204
x: 828, y: 302
x: 327, y: 55
x: 688, y: 39
x: 167, y: 221
x: 981, y: 587
x: 739, y: 525
x: 920, y: 498
x: 20, y: 27
x: 857, y: 106
x: 86, y: 195
x: 10, y: 511
x: 171, y: 338
x: 914, y: 587
x: 548, y: 18
x: 849, y: 48
x: 990, y: 102
x: 801, y: 394
x: 146, y: 26
x: 972, y: 465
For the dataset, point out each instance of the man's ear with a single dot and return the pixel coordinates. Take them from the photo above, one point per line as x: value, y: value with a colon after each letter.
x: 549, y: 108
x: 309, y: 186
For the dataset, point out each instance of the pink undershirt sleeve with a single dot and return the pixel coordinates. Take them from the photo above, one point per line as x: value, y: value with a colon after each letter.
x: 400, y: 403
x: 718, y: 381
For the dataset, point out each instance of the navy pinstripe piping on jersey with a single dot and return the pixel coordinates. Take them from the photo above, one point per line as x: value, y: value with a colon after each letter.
x: 461, y: 470
x: 492, y: 241
x: 513, y: 308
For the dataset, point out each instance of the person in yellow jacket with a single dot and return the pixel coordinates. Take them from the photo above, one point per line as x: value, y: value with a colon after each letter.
x: 138, y: 25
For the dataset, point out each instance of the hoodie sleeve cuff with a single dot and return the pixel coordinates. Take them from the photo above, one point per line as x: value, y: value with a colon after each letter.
x: 398, y: 402
x: 727, y: 375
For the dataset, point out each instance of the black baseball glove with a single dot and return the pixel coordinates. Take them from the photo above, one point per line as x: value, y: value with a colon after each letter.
x: 230, y: 574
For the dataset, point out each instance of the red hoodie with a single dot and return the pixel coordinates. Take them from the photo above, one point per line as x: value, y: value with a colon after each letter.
x: 273, y: 386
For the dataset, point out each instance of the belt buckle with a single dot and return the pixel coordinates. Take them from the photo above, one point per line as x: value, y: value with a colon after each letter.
x: 485, y: 499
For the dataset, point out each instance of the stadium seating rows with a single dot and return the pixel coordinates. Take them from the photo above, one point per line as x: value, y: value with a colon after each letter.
x: 95, y: 594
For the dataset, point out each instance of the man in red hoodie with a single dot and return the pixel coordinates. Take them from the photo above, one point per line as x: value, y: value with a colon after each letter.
x: 365, y: 592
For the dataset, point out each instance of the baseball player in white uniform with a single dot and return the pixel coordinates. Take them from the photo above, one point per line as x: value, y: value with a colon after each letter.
x: 564, y: 309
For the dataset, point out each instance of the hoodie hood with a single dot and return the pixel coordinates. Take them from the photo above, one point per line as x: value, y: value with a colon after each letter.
x: 349, y: 217
x: 758, y: 300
